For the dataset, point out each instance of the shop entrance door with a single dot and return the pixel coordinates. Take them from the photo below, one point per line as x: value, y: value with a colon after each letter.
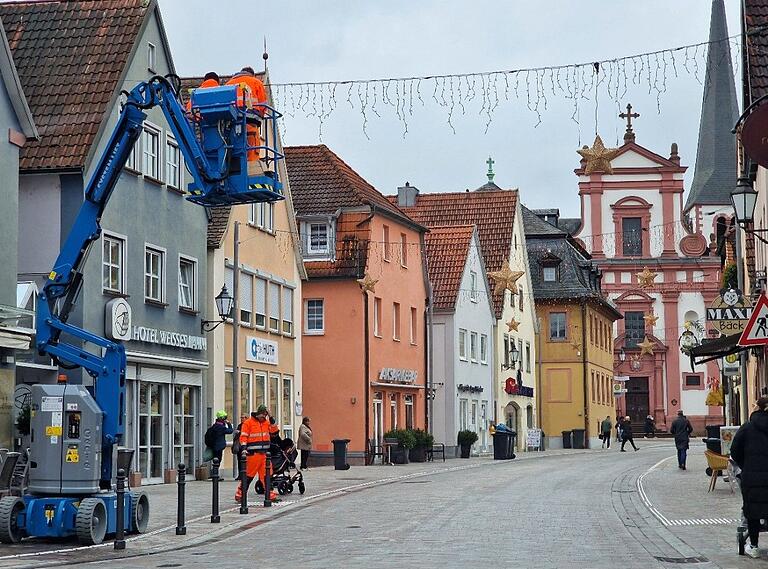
x: 378, y: 420
x: 152, y: 407
x: 184, y: 412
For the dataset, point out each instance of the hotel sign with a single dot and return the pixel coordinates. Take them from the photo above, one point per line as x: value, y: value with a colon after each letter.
x: 261, y: 351
x: 168, y: 338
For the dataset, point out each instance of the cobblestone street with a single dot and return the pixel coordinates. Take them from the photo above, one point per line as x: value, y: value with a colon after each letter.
x: 587, y: 510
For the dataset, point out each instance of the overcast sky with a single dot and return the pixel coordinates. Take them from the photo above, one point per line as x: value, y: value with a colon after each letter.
x: 337, y: 40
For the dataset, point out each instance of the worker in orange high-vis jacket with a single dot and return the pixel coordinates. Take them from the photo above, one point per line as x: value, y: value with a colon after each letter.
x: 253, y: 93
x: 211, y: 79
x: 256, y: 435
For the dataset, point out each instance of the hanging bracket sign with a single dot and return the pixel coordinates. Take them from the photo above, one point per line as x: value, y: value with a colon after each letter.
x: 729, y: 312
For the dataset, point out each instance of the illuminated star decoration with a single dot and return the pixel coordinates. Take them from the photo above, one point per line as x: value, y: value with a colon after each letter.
x: 576, y: 345
x: 598, y: 157
x: 512, y: 325
x: 646, y: 278
x: 367, y: 284
x: 646, y: 347
x: 505, y: 278
x: 650, y: 319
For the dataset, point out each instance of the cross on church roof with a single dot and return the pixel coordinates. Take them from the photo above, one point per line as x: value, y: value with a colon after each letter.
x: 490, y: 173
x: 629, y: 136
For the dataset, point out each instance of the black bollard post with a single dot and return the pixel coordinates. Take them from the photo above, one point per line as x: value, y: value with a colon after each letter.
x: 268, y: 481
x: 181, y: 528
x: 120, y: 521
x: 243, y: 486
x: 215, y: 518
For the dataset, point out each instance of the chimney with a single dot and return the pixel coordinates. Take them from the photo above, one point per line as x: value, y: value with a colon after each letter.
x: 407, y: 195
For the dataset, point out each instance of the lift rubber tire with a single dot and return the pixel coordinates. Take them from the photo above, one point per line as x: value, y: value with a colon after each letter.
x: 302, y: 488
x: 741, y: 538
x: 139, y: 512
x: 91, y: 521
x: 259, y: 487
x: 10, y: 508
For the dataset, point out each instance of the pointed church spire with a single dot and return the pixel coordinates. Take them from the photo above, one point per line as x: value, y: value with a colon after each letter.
x: 715, y: 172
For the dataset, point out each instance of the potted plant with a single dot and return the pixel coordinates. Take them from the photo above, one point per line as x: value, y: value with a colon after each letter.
x: 424, y: 441
x: 405, y: 442
x: 466, y: 439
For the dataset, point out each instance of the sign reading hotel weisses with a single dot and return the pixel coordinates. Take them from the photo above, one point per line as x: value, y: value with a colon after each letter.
x: 168, y: 338
x: 729, y: 312
x: 261, y: 351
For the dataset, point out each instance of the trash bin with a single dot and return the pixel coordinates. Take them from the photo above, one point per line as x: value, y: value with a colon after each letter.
x: 340, y: 454
x: 712, y: 440
x: 713, y: 431
x: 500, y: 445
x: 578, y: 438
x: 512, y: 439
x: 541, y: 441
x: 567, y: 436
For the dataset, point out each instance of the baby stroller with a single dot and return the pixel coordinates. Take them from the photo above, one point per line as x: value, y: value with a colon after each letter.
x: 283, y: 457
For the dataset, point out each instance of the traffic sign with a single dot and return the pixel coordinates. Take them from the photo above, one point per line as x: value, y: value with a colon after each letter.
x: 756, y: 331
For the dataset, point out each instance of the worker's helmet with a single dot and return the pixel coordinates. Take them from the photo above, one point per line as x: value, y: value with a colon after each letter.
x: 221, y: 414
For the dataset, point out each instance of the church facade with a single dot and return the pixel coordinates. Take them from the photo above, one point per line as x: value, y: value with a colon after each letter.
x: 657, y: 271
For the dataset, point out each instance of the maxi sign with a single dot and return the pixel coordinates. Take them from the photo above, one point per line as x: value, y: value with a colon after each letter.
x: 729, y: 312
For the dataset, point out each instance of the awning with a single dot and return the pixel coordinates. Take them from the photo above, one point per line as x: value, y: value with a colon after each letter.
x: 13, y: 340
x: 714, y: 349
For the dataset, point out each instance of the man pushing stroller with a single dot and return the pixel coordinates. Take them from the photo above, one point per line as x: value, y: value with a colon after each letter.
x: 256, y: 437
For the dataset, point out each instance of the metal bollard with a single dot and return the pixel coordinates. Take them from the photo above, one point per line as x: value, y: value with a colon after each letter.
x: 268, y: 481
x: 120, y: 521
x: 243, y: 486
x: 181, y: 528
x: 215, y: 518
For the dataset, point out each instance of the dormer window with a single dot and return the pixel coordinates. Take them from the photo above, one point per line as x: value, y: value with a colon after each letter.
x: 317, y: 239
x: 550, y: 274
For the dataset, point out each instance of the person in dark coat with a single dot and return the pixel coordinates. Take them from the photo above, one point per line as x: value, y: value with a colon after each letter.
x: 649, y: 427
x: 216, y: 436
x: 682, y: 429
x: 236, y: 443
x: 749, y: 450
x: 626, y: 434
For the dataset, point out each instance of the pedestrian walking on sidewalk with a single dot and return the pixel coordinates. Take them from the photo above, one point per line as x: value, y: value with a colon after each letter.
x: 605, y: 431
x: 236, y: 443
x: 216, y: 435
x: 305, y: 442
x: 626, y: 434
x: 649, y: 427
x: 619, y: 420
x: 749, y: 450
x: 681, y: 428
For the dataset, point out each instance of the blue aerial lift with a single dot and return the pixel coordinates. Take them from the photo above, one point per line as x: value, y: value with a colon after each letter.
x: 74, y: 429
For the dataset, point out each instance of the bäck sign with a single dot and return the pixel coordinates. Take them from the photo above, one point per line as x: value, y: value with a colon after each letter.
x: 754, y: 135
x: 729, y: 312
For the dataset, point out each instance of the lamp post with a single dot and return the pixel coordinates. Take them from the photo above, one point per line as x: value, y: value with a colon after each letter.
x: 513, y: 355
x: 622, y: 355
x: 223, y: 302
x: 744, y: 199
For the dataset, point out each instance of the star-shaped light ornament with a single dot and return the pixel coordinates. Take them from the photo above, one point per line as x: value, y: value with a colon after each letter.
x: 650, y: 319
x: 512, y: 325
x: 598, y: 157
x: 576, y: 345
x: 505, y: 278
x: 367, y: 284
x: 646, y: 278
x: 646, y: 347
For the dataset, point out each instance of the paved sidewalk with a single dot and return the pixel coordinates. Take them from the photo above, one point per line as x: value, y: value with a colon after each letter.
x: 321, y: 483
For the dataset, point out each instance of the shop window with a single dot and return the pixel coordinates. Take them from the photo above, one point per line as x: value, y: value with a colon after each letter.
x: 393, y: 411
x: 287, y: 407
x: 409, y: 411
x: 259, y: 394
x: 557, y: 329
x: 153, y: 422
x: 188, y: 283
x: 314, y: 316
x: 275, y: 397
x: 463, y: 414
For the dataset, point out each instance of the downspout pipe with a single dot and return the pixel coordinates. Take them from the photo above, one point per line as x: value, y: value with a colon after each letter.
x: 366, y: 374
x: 584, y: 369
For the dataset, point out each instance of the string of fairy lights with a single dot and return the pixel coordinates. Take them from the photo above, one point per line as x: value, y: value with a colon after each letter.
x: 484, y: 92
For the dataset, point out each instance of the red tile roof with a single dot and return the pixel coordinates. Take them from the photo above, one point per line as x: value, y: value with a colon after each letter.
x: 70, y: 56
x: 756, y: 16
x: 492, y: 212
x: 321, y: 183
x: 447, y: 249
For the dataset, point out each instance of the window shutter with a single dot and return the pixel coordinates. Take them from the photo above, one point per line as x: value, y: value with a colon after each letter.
x: 229, y: 279
x: 274, y: 300
x: 261, y: 296
x: 288, y: 304
x: 245, y: 293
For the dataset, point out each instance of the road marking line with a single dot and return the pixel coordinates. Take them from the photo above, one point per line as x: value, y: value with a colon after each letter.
x: 644, y: 497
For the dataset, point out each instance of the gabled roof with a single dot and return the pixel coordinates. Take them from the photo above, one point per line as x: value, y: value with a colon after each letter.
x: 534, y: 225
x: 71, y: 57
x: 492, y: 212
x: 447, y: 249
x: 322, y: 183
x: 755, y: 17
x: 10, y: 78
x: 715, y: 171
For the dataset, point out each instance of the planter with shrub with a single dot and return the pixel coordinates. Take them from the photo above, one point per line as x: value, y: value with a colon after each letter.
x: 405, y: 442
x: 424, y: 441
x: 465, y: 440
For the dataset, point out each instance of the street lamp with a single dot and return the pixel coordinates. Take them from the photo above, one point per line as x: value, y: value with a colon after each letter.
x: 513, y: 354
x: 224, y: 303
x: 743, y: 199
x: 622, y: 355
